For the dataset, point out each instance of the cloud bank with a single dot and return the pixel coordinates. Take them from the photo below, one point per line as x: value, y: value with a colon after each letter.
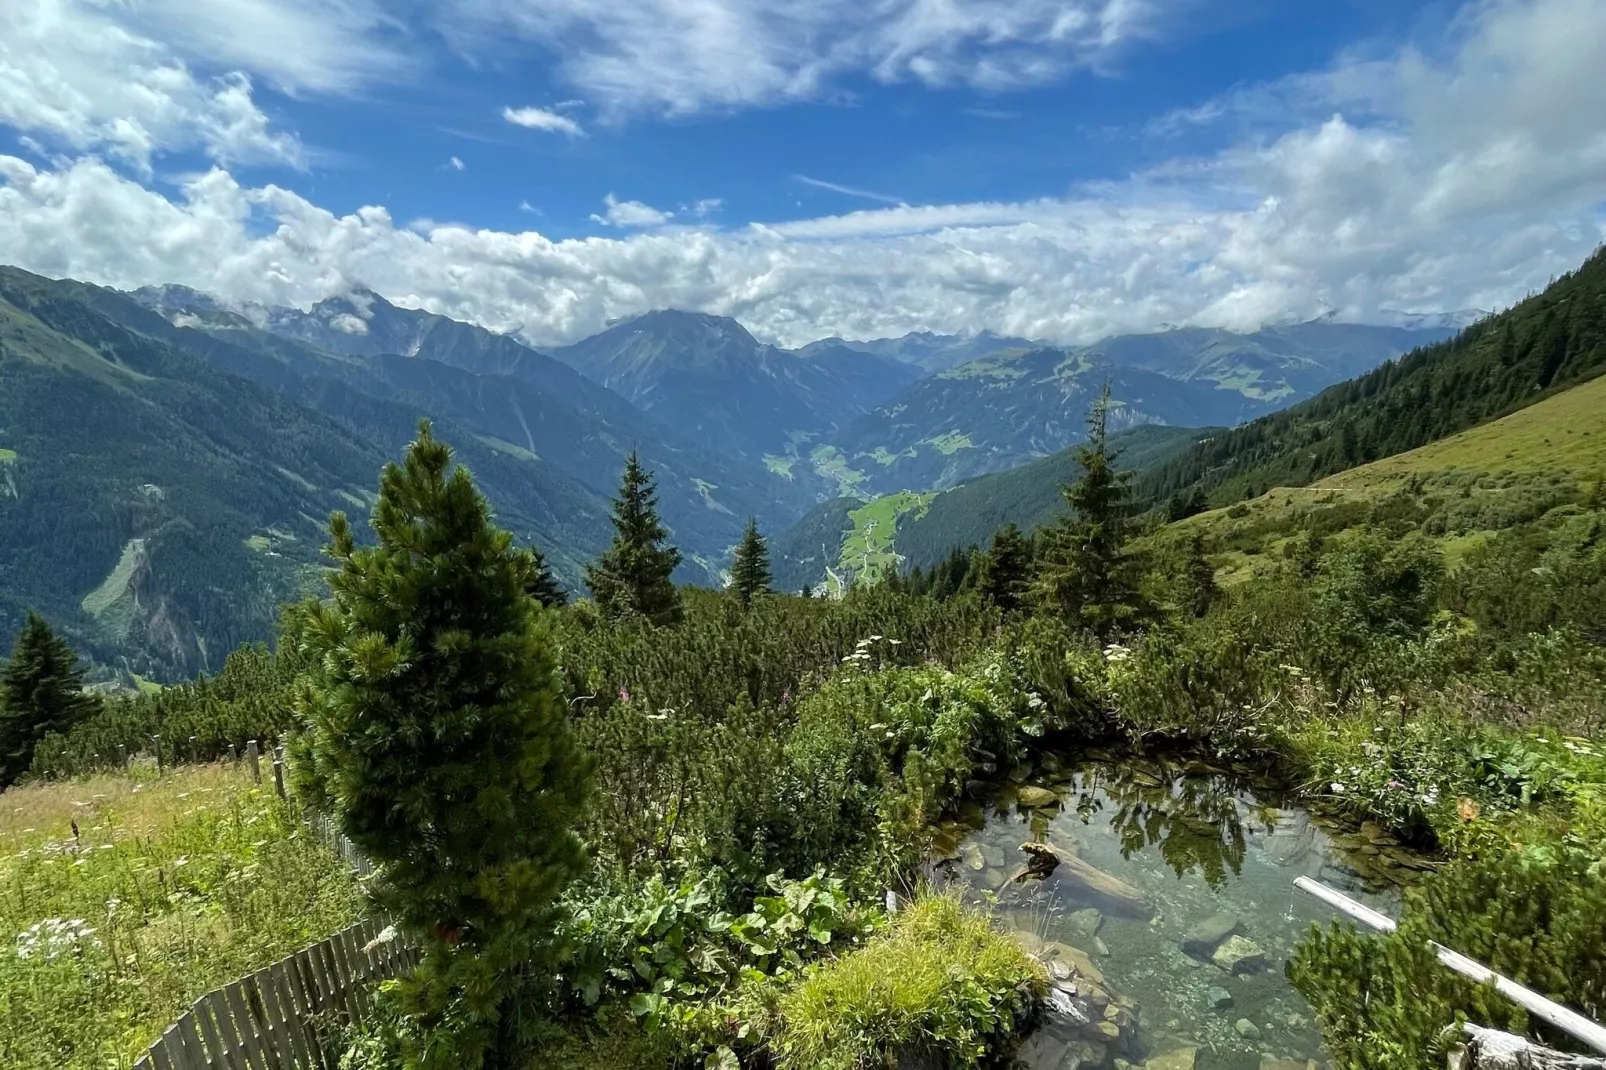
x: 1414, y: 182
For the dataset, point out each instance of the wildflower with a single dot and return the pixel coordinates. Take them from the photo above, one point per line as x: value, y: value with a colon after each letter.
x: 53, y: 937
x: 1339, y: 789
x: 624, y: 696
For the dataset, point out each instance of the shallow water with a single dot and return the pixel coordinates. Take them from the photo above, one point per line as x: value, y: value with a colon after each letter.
x: 1152, y: 851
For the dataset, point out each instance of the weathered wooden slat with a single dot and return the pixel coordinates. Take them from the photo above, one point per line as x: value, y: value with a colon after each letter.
x: 173, y: 1048
x: 228, y: 1033
x: 159, y: 1055
x: 291, y: 1034
x: 301, y: 1035
x: 190, y: 1037
x: 217, y: 1050
x: 348, y: 998
x: 250, y: 1042
x: 263, y: 1007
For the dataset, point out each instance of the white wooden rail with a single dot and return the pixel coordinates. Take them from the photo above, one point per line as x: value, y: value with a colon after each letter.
x: 278, y: 1018
x: 1569, y: 1021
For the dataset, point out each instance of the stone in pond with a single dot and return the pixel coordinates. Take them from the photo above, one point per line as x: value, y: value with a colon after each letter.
x: 1240, y: 955
x: 993, y: 854
x: 1180, y: 1059
x: 1084, y: 924
x: 1028, y: 940
x: 1202, y: 940
x: 1032, y: 797
x: 972, y: 856
x: 1246, y: 1029
x: 1099, y: 947
x: 1075, y: 958
x: 1219, y: 998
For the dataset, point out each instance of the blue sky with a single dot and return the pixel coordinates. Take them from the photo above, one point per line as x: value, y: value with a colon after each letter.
x: 1057, y: 168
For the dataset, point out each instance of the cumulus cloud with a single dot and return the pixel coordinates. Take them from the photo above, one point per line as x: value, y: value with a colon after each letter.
x: 630, y: 214
x: 543, y: 119
x: 1415, y: 182
x: 77, y: 79
x: 683, y: 56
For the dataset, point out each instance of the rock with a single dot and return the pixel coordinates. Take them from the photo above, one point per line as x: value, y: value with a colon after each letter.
x: 1032, y: 797
x: 1109, y: 1029
x: 1084, y: 924
x: 1099, y: 948
x: 1060, y: 971
x: 1179, y: 1059
x: 1268, y: 1062
x: 1041, y: 1051
x: 1292, y: 838
x: 971, y: 854
x: 1056, y: 953
x: 1240, y: 955
x: 1028, y: 941
x: 993, y: 854
x: 1020, y: 771
x: 1246, y: 1029
x: 1202, y: 940
x: 1219, y: 998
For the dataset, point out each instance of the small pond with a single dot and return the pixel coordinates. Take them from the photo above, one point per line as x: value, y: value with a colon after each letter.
x: 1172, y: 911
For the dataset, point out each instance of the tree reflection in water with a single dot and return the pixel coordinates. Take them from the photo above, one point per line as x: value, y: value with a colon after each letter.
x: 1193, y: 819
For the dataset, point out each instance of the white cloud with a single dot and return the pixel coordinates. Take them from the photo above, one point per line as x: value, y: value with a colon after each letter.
x: 706, y: 207
x: 543, y: 119
x: 630, y: 214
x: 76, y: 78
x: 683, y: 56
x: 456, y: 164
x: 1406, y: 183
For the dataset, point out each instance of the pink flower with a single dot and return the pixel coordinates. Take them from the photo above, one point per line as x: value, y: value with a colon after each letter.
x: 624, y: 696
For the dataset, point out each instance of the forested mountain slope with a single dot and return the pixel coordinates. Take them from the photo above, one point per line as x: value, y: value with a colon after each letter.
x: 709, y: 377
x: 1546, y: 343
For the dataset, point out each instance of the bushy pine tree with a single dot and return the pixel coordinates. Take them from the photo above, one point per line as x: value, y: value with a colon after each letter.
x: 1085, y: 572
x: 750, y: 567
x: 1006, y: 573
x: 545, y: 588
x: 438, y: 738
x: 41, y: 691
x: 1199, y: 576
x: 633, y: 575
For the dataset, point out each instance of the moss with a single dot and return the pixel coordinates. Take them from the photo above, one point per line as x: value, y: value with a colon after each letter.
x: 939, y: 978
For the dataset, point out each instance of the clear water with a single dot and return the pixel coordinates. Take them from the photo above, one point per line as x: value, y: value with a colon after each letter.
x: 1188, y: 842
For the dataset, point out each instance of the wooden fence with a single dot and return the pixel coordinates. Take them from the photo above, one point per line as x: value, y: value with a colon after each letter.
x: 280, y: 1018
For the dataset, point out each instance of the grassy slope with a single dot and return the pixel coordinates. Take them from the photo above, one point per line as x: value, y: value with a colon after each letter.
x: 1476, y: 481
x: 868, y: 550
x: 187, y: 881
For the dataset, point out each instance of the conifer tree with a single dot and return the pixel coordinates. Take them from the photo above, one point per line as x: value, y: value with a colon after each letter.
x: 1085, y: 572
x: 41, y: 691
x: 438, y: 739
x: 1199, y: 575
x: 632, y: 575
x: 1006, y: 572
x: 545, y: 588
x: 750, y: 568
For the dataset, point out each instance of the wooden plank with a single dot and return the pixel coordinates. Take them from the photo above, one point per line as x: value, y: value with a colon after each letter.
x: 173, y: 1049
x: 160, y: 1055
x: 348, y: 999
x: 250, y: 1043
x: 217, y: 1050
x: 228, y: 1033
x: 302, y: 1034
x: 194, y: 1047
x: 262, y: 1009
x: 292, y: 1035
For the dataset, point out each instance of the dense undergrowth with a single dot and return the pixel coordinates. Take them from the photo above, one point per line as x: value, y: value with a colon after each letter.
x: 763, y: 775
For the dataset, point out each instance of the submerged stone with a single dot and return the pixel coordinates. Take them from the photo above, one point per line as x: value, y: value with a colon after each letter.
x: 1219, y: 998
x: 1240, y: 955
x: 1179, y: 1059
x: 972, y: 856
x: 1084, y: 924
x: 1246, y: 1029
x: 1033, y: 797
x: 1202, y: 940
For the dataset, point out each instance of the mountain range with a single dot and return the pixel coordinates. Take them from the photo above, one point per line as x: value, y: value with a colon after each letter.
x: 168, y: 459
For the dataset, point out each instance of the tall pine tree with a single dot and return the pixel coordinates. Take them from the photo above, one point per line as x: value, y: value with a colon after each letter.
x: 1085, y: 572
x: 632, y: 575
x: 1006, y: 572
x: 750, y: 567
x: 41, y: 691
x: 1199, y: 578
x: 438, y: 739
x: 544, y: 587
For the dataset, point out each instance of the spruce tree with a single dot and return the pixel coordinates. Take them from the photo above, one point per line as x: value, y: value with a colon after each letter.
x: 1006, y: 574
x: 438, y: 739
x: 1085, y: 573
x: 544, y: 587
x: 1199, y: 577
x: 750, y: 568
x: 41, y: 691
x: 632, y: 575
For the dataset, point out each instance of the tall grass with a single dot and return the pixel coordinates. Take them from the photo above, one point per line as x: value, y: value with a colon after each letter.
x: 123, y: 898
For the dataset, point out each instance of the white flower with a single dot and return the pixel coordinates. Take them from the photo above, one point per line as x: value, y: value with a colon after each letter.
x: 54, y: 936
x: 1339, y: 789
